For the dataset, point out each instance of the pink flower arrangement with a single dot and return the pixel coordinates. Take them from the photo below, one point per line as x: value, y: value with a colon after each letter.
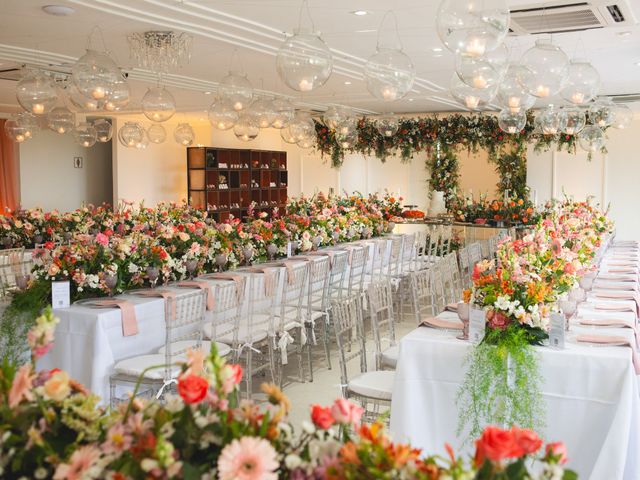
x: 248, y: 458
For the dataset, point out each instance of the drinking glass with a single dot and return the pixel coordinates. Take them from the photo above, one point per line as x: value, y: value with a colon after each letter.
x: 191, y: 266
x: 272, y: 249
x: 153, y: 273
x: 463, y: 314
x: 221, y: 261
x: 22, y: 281
x: 111, y: 280
x: 568, y: 308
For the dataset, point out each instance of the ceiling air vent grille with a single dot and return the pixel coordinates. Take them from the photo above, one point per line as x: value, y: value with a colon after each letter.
x: 615, y: 13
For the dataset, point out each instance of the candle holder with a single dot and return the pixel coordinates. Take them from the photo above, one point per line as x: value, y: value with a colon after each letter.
x: 221, y: 261
x: 22, y: 281
x: 191, y: 266
x: 111, y: 281
x: 152, y: 274
x: 272, y: 250
x: 316, y: 241
x: 247, y: 253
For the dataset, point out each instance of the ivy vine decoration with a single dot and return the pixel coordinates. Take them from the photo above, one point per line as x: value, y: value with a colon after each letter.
x: 444, y: 168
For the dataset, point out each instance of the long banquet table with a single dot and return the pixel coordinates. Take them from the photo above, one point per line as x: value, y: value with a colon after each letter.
x: 591, y: 394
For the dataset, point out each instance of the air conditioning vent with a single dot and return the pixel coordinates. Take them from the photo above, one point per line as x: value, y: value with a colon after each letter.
x: 625, y: 98
x: 13, y: 74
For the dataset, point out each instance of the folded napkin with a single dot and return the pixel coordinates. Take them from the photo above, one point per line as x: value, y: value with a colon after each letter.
x: 621, y: 296
x: 269, y: 278
x: 632, y: 270
x: 202, y: 285
x: 436, y: 322
x: 623, y: 263
x: 161, y: 293
x: 613, y: 341
x: 289, y: 265
x: 617, y: 277
x: 613, y: 308
x: 612, y: 322
x: 238, y: 279
x: 129, y: 321
x: 451, y: 307
x: 611, y: 285
x: 326, y: 253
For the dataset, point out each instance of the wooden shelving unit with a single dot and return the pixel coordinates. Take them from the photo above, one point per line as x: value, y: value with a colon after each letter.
x: 225, y: 181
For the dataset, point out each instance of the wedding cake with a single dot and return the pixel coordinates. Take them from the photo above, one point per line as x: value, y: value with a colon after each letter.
x: 437, y: 205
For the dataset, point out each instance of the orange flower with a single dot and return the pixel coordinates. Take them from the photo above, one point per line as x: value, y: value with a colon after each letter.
x: 349, y: 453
x: 466, y: 295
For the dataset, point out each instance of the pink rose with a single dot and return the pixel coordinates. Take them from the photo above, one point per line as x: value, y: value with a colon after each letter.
x: 558, y: 451
x: 344, y: 411
x: 102, y: 239
x: 192, y: 388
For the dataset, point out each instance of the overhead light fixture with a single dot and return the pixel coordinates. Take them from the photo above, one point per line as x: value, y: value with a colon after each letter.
x: 368, y: 30
x: 637, y: 64
x: 437, y: 49
x: 360, y: 13
x: 411, y: 99
x: 207, y: 93
x: 624, y: 34
x: 347, y: 82
x: 58, y: 10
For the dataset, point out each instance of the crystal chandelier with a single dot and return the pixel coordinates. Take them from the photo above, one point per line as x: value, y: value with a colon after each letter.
x: 160, y: 51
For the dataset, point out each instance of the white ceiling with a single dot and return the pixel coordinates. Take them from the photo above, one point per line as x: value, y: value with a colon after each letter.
x: 256, y: 28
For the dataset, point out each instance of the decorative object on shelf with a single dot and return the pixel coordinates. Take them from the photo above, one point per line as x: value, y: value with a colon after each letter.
x: 156, y: 133
x: 548, y: 120
x: 472, y: 98
x: 602, y: 112
x: 236, y: 89
x: 36, y: 93
x: 283, y: 113
x: 222, y: 115
x: 546, y: 68
x: 247, y: 128
x: 511, y: 93
x: 512, y: 122
x: 623, y: 116
x: 583, y: 83
x: 61, y: 120
x: 85, y: 134
x: 160, y: 51
x: 158, y: 104
x: 104, y: 130
x: 591, y: 139
x: 473, y: 27
x: 96, y: 75
x: 387, y: 125
x: 184, y: 134
x: 15, y: 131
x: 131, y: 134
x: 572, y: 120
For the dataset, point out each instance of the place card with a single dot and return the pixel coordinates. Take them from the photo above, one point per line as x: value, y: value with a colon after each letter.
x: 477, y: 324
x: 557, y: 331
x: 60, y: 294
x: 289, y: 249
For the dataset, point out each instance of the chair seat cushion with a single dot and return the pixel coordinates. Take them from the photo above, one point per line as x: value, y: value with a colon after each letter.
x: 378, y: 385
x: 134, y: 366
x: 390, y: 356
x: 183, y: 345
x: 244, y: 336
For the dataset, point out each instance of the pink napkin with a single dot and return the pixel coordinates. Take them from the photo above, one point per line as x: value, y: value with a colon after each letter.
x: 326, y: 253
x: 202, y: 285
x: 603, y: 285
x: 613, y: 322
x: 621, y: 296
x: 613, y: 340
x: 616, y: 278
x: 239, y: 279
x: 623, y: 270
x: 166, y: 294
x: 613, y: 308
x: 129, y: 322
x: 435, y: 322
x: 451, y: 307
x: 289, y: 266
x: 268, y: 280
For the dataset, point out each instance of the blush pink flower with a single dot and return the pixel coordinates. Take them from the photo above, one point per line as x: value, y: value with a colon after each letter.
x: 118, y: 439
x: 102, y: 239
x: 248, y: 458
x: 21, y: 388
x: 80, y: 462
x: 343, y: 411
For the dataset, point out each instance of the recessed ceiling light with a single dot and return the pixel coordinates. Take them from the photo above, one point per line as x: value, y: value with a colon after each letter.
x: 347, y: 82
x: 436, y: 49
x: 360, y: 12
x: 207, y: 93
x: 411, y: 99
x: 368, y: 30
x: 58, y: 10
x: 623, y: 34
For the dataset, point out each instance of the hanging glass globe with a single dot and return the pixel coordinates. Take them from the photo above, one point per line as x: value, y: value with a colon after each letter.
x: 237, y: 90
x: 511, y: 94
x: 307, y: 141
x: 498, y: 59
x: 510, y: 122
x: 387, y: 125
x: 104, y: 130
x: 144, y: 141
x: 14, y: 131
x: 158, y: 105
x: 156, y: 133
x: 348, y: 140
x: 80, y: 101
x: 285, y: 134
x: 263, y: 112
x: 304, y: 61
x: 85, y: 135
x: 472, y: 26
x: 36, y: 93
x: 283, y: 113
x: 60, y: 120
x: 602, y: 112
x: 476, y: 72
x: 96, y: 75
x: 622, y: 117
x: 222, y: 115
x: 28, y: 122
x: 119, y: 97
x: 301, y: 125
x: 548, y: 121
x: 334, y: 115
x: 471, y: 98
x: 389, y: 74
x: 184, y: 134
x: 591, y: 138
x: 546, y: 68
x: 583, y: 83
x: 572, y: 120
x: 247, y: 128
x: 346, y: 126
x: 131, y: 134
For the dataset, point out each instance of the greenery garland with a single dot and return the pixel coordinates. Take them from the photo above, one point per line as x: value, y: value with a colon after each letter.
x: 444, y: 168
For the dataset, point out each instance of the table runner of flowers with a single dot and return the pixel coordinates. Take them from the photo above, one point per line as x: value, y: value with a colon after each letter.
x: 51, y: 427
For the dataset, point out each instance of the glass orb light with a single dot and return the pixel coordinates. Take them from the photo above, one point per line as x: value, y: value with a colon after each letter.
x: 347, y: 126
x: 572, y: 120
x: 14, y: 131
x: 602, y: 112
x: 307, y: 141
x: 60, y: 120
x: 334, y: 115
x: 80, y: 101
x: 387, y: 125
x: 96, y: 75
x: 472, y: 26
x: 247, y: 128
x: 548, y: 120
x: 158, y: 105
x: 144, y: 141
x: 184, y: 134
x: 282, y: 113
x: 301, y: 125
x: 28, y: 122
x: 131, y: 134
x: 35, y: 93
x: 583, y: 83
x: 476, y: 72
x: 591, y: 138
x: 156, y: 133
x: 545, y: 69
x: 262, y: 110
x: 119, y: 97
x: 511, y: 94
x: 237, y: 90
x: 622, y: 117
x: 222, y: 114
x: 389, y: 74
x: 85, y: 135
x: 104, y: 130
x: 510, y: 122
x: 498, y: 59
x: 471, y: 98
x: 304, y: 61
x: 286, y: 136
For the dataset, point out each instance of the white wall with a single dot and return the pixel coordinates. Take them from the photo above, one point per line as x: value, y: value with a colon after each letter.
x: 49, y: 180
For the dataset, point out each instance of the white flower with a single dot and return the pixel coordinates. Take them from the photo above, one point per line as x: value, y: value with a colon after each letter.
x: 308, y: 427
x: 133, y: 268
x: 292, y: 461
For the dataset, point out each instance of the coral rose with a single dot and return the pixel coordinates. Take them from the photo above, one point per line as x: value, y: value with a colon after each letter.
x: 496, y: 445
x: 58, y: 387
x: 558, y: 450
x: 321, y: 417
x: 527, y: 440
x: 344, y: 411
x: 192, y: 388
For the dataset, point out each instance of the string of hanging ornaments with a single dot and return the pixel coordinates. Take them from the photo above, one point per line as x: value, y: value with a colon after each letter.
x: 475, y: 30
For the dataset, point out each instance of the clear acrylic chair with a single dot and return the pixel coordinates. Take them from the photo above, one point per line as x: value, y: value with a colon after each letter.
x: 422, y: 295
x: 11, y: 265
x: 421, y: 259
x: 376, y: 261
x: 446, y: 233
x: 380, y: 296
x: 393, y: 268
x: 358, y: 255
x: 371, y: 389
x: 451, y: 260
x: 438, y: 286
x: 183, y: 319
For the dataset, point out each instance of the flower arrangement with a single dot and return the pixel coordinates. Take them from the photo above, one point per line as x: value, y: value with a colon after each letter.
x: 51, y: 427
x: 481, y: 211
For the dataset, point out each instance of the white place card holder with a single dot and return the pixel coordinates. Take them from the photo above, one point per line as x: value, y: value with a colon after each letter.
x: 557, y: 331
x: 477, y: 324
x: 60, y: 294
